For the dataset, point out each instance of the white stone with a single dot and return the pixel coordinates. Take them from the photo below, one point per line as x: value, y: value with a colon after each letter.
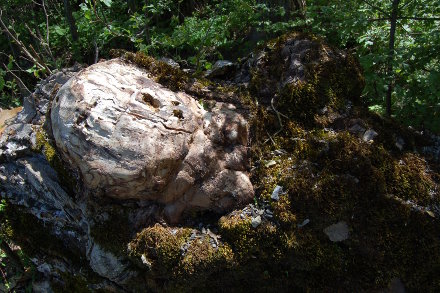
x: 337, y: 232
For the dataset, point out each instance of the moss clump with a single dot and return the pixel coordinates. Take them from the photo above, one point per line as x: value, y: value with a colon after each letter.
x: 264, y: 242
x: 46, y: 147
x: 160, y: 246
x: 412, y: 180
x: 202, y: 258
x: 173, y: 78
x: 184, y: 263
x: 199, y: 264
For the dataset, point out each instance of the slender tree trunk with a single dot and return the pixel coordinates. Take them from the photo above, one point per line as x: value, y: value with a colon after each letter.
x: 147, y: 25
x: 71, y: 20
x: 394, y: 16
x: 131, y: 5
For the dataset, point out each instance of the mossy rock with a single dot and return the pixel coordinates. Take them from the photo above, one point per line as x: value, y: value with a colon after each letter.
x: 324, y: 77
x: 388, y: 198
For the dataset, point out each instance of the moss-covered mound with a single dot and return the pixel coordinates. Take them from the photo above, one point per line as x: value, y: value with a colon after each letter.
x: 305, y: 77
x: 335, y: 163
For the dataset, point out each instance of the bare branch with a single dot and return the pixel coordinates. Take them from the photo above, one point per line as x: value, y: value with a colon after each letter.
x: 96, y: 50
x: 410, y: 18
x: 35, y: 59
x: 22, y: 85
x: 420, y: 18
x: 47, y: 30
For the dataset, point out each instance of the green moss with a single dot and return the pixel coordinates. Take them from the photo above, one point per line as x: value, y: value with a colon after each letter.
x: 173, y: 78
x: 160, y: 246
x: 264, y: 242
x: 329, y: 81
x: 200, y: 262
x: 47, y: 148
x: 334, y: 177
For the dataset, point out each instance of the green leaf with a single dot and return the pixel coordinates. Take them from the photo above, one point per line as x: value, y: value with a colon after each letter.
x: 60, y: 31
x: 107, y: 3
x: 11, y: 60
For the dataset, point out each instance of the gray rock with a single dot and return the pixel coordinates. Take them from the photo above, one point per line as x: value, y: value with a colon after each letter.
x: 131, y: 138
x: 170, y: 62
x: 337, y: 232
x: 400, y: 143
x: 357, y: 129
x: 276, y: 193
x: 220, y: 68
x: 41, y: 287
x: 305, y: 222
x: 369, y: 135
x: 256, y: 221
x: 270, y: 163
x: 110, y: 266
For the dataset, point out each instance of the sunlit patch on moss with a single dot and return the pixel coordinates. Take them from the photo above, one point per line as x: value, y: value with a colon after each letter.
x: 160, y: 247
x: 165, y: 74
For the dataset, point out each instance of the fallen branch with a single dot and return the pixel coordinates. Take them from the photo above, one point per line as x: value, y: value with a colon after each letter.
x: 280, y: 122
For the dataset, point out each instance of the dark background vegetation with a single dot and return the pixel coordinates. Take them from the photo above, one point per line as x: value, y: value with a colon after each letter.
x: 397, y: 41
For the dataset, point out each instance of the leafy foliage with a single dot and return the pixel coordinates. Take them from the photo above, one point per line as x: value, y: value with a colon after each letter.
x: 364, y: 26
x: 201, y: 32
